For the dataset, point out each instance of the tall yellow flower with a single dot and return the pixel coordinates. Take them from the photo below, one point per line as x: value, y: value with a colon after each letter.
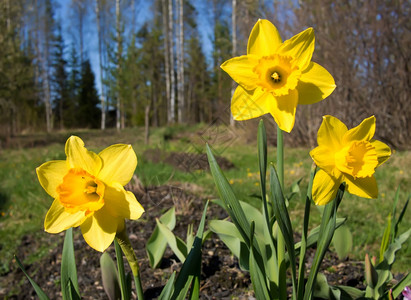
x: 275, y: 76
x: 88, y: 191
x: 349, y: 156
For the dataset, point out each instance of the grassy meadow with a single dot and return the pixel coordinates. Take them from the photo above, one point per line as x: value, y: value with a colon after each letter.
x: 23, y: 203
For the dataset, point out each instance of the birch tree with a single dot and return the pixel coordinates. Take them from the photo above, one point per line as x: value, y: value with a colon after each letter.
x: 98, y: 11
x: 172, y: 106
x: 180, y: 61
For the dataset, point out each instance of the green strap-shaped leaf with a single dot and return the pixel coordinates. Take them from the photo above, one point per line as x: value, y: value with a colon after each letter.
x: 401, y: 216
x: 157, y: 243
x: 283, y: 219
x: 191, y: 269
x: 349, y: 293
x: 125, y: 291
x: 168, y: 288
x: 304, y: 239
x: 327, y: 228
x: 109, y: 277
x: 256, y: 272
x: 386, y: 238
x: 371, y: 275
x: 342, y: 241
x: 40, y: 293
x: 176, y: 244
x: 399, y: 287
x: 389, y: 255
x: 68, y: 269
x: 232, y: 205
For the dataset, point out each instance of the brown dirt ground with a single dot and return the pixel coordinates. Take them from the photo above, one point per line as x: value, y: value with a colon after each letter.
x: 221, y: 276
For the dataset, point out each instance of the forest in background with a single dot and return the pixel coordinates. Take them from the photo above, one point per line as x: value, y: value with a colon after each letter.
x: 158, y: 72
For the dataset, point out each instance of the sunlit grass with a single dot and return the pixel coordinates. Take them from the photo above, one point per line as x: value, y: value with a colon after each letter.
x: 23, y: 203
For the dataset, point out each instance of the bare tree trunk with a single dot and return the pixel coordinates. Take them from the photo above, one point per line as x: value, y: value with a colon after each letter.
x: 172, y: 76
x: 167, y: 61
x: 147, y: 124
x: 118, y: 106
x: 42, y: 57
x: 180, y: 62
x: 102, y: 96
x: 234, y: 53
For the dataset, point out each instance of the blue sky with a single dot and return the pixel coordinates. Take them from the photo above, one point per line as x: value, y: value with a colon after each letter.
x: 64, y: 14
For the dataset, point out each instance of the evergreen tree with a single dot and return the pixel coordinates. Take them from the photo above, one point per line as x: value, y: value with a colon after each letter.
x: 198, y: 83
x: 74, y: 77
x: 88, y: 114
x: 60, y: 81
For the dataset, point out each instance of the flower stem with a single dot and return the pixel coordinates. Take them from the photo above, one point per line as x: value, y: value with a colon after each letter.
x: 282, y: 286
x: 124, y: 242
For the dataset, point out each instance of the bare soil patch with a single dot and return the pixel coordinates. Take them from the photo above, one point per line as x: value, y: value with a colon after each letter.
x: 221, y: 275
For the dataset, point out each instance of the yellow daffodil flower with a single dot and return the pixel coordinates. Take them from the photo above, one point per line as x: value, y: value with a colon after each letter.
x: 349, y: 156
x: 88, y: 191
x: 275, y: 76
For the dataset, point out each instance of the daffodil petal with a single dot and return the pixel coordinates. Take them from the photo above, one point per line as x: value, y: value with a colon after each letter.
x: 121, y: 203
x: 323, y: 158
x: 331, y: 132
x: 100, y: 229
x: 241, y: 70
x: 365, y: 131
x: 247, y: 105
x: 79, y: 157
x: 300, y: 46
x: 383, y: 151
x: 363, y: 187
x: 119, y: 163
x: 325, y: 188
x: 283, y: 110
x: 264, y: 39
x: 50, y: 175
x: 315, y: 84
x: 58, y: 220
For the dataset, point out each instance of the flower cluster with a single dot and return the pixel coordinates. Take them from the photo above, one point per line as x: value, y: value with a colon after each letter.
x: 274, y: 77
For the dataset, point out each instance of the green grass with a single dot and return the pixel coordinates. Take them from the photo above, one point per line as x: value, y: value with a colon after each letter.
x: 23, y: 203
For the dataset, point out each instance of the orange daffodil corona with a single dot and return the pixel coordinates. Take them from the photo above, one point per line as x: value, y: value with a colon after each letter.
x: 349, y: 156
x: 275, y: 76
x: 88, y: 191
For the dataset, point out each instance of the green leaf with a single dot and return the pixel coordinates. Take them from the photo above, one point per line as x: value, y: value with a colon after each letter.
x: 400, y: 286
x: 314, y: 233
x: 327, y: 228
x: 371, y: 275
x: 37, y: 288
x: 231, y: 204
x: 349, y: 292
x: 389, y: 255
x: 304, y: 239
x: 385, y: 238
x: 321, y: 287
x: 124, y: 287
x: 342, y: 241
x: 176, y: 244
x: 401, y: 216
x: 168, y: 288
x: 232, y: 238
x: 191, y: 268
x: 157, y: 243
x: 109, y: 277
x: 68, y: 268
x: 283, y: 219
x: 257, y: 274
